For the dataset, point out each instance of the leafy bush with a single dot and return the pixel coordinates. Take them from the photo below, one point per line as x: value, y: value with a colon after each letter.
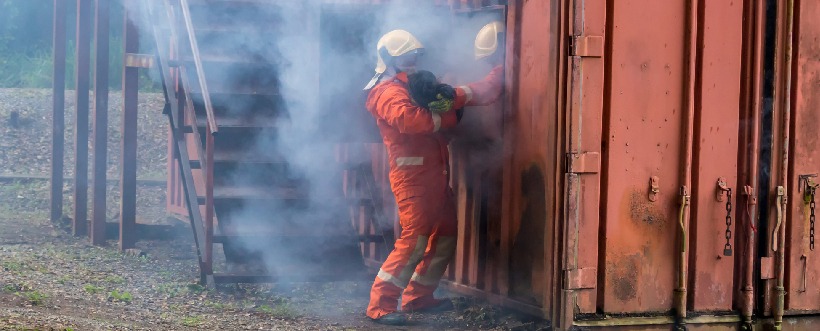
x: 26, y: 55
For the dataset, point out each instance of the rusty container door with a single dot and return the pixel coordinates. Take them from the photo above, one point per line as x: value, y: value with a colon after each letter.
x: 803, y: 261
x: 476, y: 162
x: 530, y: 194
x: 714, y: 195
x: 643, y: 155
x: 675, y: 67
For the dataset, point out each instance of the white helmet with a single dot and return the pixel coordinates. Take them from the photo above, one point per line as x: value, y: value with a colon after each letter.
x: 486, y: 41
x: 394, y: 43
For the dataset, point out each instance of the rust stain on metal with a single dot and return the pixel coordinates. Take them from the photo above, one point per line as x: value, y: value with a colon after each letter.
x: 624, y: 276
x: 527, y: 258
x: 644, y: 211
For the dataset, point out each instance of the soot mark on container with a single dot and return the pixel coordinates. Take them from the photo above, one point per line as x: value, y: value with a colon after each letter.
x: 527, y: 258
x: 645, y: 211
x: 624, y: 277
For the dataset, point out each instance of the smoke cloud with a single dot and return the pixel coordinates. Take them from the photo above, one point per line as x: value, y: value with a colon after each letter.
x: 322, y: 54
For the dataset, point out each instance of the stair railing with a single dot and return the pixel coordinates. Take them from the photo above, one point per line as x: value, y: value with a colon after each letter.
x: 212, y: 129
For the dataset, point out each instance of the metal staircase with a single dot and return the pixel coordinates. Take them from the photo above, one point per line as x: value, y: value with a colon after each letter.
x: 223, y: 100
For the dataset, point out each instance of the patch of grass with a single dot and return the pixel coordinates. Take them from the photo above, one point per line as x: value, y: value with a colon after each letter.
x: 63, y: 279
x: 11, y: 288
x: 281, y: 311
x: 218, y: 305
x: 195, y: 288
x: 192, y: 321
x: 114, y: 279
x: 173, y: 290
x: 93, y: 289
x: 265, y: 309
x: 33, y: 297
x: 12, y: 266
x: 170, y: 290
x: 120, y: 296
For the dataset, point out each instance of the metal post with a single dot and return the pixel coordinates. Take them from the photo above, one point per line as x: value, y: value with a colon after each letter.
x: 130, y: 90
x: 100, y: 164
x: 689, y: 105
x: 58, y: 112
x: 756, y: 60
x: 780, y: 287
x: 209, y: 199
x: 83, y: 59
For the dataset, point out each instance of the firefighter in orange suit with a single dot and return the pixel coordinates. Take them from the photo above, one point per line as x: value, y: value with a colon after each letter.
x: 488, y: 48
x: 419, y: 178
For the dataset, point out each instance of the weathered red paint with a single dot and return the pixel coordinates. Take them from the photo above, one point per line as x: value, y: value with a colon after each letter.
x: 803, y: 264
x: 645, y: 126
x: 716, y: 136
x: 587, y: 125
x: 746, y: 215
x: 585, y: 104
x: 530, y: 192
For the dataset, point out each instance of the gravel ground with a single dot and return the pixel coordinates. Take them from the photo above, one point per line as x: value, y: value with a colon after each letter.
x: 51, y: 280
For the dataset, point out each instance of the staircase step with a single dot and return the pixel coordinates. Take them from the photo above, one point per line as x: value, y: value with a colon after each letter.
x: 235, y: 78
x: 223, y: 121
x: 221, y: 238
x: 245, y: 88
x: 235, y: 156
x: 254, y: 193
x: 224, y: 58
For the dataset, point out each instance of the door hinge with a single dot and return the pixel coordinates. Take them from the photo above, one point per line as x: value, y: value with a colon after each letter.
x: 584, y: 163
x: 581, y: 279
x: 586, y: 46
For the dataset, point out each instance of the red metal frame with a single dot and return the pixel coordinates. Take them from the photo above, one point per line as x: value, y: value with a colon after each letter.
x: 100, y: 165
x: 747, y: 210
x: 802, y: 266
x: 128, y: 166
x: 58, y: 112
x: 83, y: 58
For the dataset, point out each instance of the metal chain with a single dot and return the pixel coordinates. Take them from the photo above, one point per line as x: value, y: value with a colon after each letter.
x: 727, y: 249
x: 811, y: 219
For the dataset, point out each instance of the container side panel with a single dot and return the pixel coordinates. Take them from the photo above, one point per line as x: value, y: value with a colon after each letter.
x: 532, y: 152
x: 646, y: 126
x: 711, y: 272
x: 803, y: 279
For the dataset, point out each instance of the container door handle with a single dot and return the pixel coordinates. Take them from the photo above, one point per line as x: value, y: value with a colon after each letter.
x: 781, y: 203
x: 684, y: 203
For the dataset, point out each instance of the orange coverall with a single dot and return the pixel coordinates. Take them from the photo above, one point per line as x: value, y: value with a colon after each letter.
x: 419, y: 177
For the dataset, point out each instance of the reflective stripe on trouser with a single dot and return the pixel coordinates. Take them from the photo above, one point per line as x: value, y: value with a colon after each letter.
x: 419, y: 292
x: 423, y: 251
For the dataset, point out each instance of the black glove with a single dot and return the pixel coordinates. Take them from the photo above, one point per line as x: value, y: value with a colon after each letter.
x: 428, y: 93
x: 446, y: 91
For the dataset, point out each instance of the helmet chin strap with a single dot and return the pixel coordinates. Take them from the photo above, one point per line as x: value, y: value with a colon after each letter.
x: 391, y: 71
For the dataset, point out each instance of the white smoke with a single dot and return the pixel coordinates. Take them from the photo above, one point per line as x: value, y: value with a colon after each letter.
x: 325, y: 54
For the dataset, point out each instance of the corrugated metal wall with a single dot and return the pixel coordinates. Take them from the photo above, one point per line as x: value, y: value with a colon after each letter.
x: 574, y: 193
